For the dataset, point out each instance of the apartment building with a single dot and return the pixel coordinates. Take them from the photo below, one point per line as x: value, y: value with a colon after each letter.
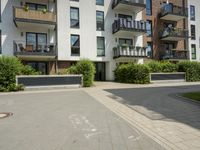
x: 167, y: 30
x: 51, y: 35
x: 194, y: 30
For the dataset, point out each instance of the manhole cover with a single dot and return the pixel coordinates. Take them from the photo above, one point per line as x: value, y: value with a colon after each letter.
x: 4, y: 115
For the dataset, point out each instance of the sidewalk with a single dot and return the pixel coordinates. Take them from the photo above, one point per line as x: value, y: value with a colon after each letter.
x: 170, y: 134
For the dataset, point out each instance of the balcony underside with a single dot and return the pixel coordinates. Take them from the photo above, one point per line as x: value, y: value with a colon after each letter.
x: 172, y: 17
x: 124, y: 6
x: 127, y: 32
x: 35, y: 56
x: 171, y: 38
x: 26, y: 23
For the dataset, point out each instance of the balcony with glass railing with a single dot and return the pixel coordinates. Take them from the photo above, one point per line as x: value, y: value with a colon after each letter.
x: 133, y: 6
x: 126, y: 26
x: 128, y: 51
x: 173, y: 34
x: 173, y: 13
x: 176, y: 55
x: 35, y: 52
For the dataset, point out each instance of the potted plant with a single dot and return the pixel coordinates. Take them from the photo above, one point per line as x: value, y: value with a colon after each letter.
x: 44, y: 11
x: 26, y: 8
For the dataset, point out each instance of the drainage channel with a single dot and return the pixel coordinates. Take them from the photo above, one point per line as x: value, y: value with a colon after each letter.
x: 5, y: 114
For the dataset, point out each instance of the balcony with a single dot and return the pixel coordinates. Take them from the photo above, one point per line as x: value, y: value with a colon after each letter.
x: 125, y: 51
x: 173, y: 13
x: 24, y: 17
x: 133, y: 6
x: 173, y: 34
x: 125, y: 27
x: 175, y: 55
x: 45, y: 52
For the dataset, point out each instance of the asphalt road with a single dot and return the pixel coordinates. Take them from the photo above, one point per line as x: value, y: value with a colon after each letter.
x: 66, y: 121
x: 162, y: 103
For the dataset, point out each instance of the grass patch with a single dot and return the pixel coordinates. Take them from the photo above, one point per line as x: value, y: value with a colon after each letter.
x: 193, y: 95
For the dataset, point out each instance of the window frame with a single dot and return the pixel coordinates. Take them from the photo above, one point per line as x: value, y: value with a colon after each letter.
x: 193, y: 53
x: 75, y: 47
x: 151, y: 28
x: 193, y: 33
x: 103, y: 23
x: 101, y: 49
x: 100, y: 4
x: 192, y: 16
x: 78, y: 26
x: 151, y: 45
x: 149, y: 8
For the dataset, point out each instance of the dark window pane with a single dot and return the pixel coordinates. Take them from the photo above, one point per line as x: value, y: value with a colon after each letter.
x: 192, y: 12
x: 74, y: 17
x: 99, y: 2
x: 75, y: 45
x: 149, y: 50
x: 148, y: 7
x: 193, y: 32
x: 149, y: 28
x: 100, y: 20
x: 100, y: 46
x: 193, y: 46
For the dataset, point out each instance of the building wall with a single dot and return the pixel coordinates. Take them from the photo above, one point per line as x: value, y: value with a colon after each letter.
x: 195, y: 3
x: 88, y: 33
x: 157, y: 25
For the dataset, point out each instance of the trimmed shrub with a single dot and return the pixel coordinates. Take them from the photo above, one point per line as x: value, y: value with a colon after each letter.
x: 86, y: 68
x: 168, y: 67
x: 28, y: 70
x: 132, y: 73
x: 9, y: 68
x: 155, y: 66
x: 184, y: 65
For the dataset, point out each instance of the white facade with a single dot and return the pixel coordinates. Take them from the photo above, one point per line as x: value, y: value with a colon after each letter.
x: 196, y: 23
x: 61, y: 35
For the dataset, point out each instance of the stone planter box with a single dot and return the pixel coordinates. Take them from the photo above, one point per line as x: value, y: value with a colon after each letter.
x: 166, y: 77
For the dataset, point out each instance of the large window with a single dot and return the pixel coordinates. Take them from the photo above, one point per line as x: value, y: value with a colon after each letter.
x: 149, y: 28
x: 100, y: 46
x: 149, y: 50
x: 192, y: 12
x: 123, y: 41
x: 128, y: 17
x: 149, y: 7
x: 100, y: 2
x: 34, y: 6
x: 36, y: 41
x: 75, y: 45
x: 193, y: 52
x: 193, y: 32
x: 100, y: 20
x: 74, y: 17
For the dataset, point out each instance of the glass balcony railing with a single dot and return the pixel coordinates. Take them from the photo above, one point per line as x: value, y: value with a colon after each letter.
x: 129, y: 25
x: 171, y: 32
x: 129, y: 51
x: 176, y: 54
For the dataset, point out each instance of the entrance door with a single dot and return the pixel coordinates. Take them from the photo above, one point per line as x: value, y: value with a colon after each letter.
x: 100, y: 71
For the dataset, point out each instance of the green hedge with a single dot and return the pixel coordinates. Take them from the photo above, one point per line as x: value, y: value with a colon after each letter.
x: 9, y: 68
x: 86, y: 68
x: 162, y: 66
x: 132, y: 73
x: 192, y: 70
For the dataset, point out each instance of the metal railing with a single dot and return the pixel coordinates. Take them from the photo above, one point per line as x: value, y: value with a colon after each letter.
x: 173, y: 9
x: 173, y: 32
x: 177, y: 54
x: 130, y: 25
x: 130, y: 2
x: 21, y: 48
x: 129, y: 51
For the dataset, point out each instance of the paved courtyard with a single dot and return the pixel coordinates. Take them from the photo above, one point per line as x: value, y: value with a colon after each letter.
x: 66, y: 120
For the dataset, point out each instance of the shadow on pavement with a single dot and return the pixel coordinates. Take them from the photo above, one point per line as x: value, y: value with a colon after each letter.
x: 161, y: 103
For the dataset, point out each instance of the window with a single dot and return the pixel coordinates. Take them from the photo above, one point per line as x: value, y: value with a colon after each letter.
x: 193, y: 46
x: 193, y: 32
x: 100, y: 46
x: 75, y: 0
x: 100, y: 20
x: 149, y: 50
x: 128, y: 17
x: 36, y: 41
x: 149, y: 28
x: 75, y: 45
x: 34, y: 6
x: 74, y: 17
x: 100, y: 2
x: 125, y: 41
x: 148, y: 7
x: 192, y: 12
